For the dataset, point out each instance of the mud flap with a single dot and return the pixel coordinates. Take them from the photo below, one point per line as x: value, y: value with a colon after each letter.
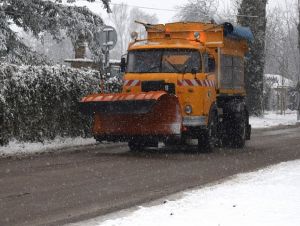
x: 123, y: 116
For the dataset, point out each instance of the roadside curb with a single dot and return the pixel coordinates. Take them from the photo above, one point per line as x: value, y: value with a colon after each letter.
x: 101, y: 146
x: 62, y: 150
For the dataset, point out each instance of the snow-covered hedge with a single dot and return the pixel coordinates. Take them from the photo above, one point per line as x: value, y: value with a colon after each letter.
x: 41, y: 102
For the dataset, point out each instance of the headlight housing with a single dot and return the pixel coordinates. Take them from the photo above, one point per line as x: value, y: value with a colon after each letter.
x: 188, y: 109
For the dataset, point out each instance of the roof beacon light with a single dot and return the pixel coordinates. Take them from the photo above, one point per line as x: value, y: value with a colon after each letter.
x: 134, y: 35
x: 197, y: 35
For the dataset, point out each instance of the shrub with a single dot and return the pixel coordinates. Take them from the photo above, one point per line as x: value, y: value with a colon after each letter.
x: 41, y: 102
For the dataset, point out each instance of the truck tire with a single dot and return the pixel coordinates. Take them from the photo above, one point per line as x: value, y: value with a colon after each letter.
x: 209, y: 138
x: 239, y: 132
x: 140, y: 144
x: 135, y: 145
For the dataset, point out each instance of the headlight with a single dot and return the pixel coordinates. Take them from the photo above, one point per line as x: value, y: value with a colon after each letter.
x: 188, y: 109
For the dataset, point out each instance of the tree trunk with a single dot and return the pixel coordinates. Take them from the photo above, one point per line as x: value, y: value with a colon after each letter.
x: 298, y: 85
x: 254, y: 67
x: 299, y: 28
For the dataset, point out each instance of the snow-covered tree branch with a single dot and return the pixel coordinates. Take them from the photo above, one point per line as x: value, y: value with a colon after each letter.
x: 38, y: 16
x: 41, y: 102
x: 198, y: 10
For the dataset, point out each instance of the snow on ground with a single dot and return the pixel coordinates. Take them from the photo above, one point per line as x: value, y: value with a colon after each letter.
x: 271, y: 119
x: 19, y: 148
x: 268, y: 197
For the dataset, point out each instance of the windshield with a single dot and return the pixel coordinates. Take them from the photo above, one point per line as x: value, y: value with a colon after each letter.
x: 163, y: 60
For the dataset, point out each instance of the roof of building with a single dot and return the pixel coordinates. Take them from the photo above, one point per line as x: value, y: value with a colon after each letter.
x: 279, y: 80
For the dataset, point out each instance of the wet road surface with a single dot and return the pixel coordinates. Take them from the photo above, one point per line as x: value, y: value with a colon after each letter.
x: 59, y: 188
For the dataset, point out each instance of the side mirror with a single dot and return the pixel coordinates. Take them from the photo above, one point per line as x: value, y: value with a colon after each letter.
x: 123, y: 64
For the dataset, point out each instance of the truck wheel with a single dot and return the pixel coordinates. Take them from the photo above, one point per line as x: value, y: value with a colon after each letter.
x: 141, y: 144
x: 174, y: 141
x: 239, y: 132
x: 135, y: 145
x: 208, y: 140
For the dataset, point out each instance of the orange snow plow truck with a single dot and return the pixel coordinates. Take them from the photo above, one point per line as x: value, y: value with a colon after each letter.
x: 185, y: 81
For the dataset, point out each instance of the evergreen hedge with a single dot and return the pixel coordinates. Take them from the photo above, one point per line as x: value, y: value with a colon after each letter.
x: 41, y: 102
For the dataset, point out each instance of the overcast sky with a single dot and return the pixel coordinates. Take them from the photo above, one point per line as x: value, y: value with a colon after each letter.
x: 168, y: 7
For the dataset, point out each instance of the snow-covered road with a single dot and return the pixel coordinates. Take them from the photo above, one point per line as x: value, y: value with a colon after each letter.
x: 269, y: 119
x: 269, y: 196
x: 90, y: 181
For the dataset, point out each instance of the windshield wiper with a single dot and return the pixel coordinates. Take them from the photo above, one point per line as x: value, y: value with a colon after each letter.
x: 184, y: 69
x: 150, y: 69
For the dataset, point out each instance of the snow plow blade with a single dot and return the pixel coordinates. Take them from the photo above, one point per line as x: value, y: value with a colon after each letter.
x: 120, y: 117
x: 121, y: 103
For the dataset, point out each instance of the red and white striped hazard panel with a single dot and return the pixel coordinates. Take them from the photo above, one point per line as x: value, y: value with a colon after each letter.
x: 196, y: 82
x: 132, y: 83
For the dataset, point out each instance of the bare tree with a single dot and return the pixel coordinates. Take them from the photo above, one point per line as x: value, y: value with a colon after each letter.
x: 281, y: 39
x: 55, y: 51
x: 123, y: 20
x: 254, y: 67
x: 120, y: 19
x: 198, y: 10
x: 139, y: 15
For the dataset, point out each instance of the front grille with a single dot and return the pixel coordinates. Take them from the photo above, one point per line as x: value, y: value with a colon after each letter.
x: 160, y: 85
